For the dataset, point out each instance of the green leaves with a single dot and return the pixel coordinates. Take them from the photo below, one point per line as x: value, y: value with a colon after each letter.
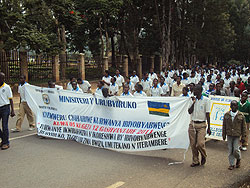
x: 207, y: 29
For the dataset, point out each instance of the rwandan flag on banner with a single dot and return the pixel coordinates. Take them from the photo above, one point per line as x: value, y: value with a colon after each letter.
x: 158, y: 108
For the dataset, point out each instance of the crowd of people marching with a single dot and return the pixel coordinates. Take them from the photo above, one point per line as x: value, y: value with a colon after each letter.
x: 180, y: 82
x: 197, y: 84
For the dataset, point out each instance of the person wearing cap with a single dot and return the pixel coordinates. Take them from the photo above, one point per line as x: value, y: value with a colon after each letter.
x: 23, y: 108
x: 6, y: 103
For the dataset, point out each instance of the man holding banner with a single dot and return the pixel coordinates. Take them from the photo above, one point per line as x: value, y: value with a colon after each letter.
x: 199, y: 112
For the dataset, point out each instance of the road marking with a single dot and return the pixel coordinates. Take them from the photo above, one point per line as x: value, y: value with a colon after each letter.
x: 18, y: 137
x: 117, y: 184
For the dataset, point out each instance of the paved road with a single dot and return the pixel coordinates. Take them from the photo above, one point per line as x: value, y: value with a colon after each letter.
x: 35, y: 162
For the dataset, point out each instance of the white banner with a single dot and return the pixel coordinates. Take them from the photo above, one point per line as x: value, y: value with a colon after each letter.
x: 219, y: 106
x: 117, y: 123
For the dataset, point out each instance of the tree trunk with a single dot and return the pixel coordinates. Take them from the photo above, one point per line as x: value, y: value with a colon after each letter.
x: 63, y: 59
x: 113, y: 52
x: 107, y: 37
x: 168, y: 48
x: 102, y: 43
x: 136, y: 49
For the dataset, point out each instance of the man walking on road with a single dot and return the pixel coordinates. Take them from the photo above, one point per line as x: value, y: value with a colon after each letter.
x: 5, y: 103
x: 199, y: 112
x: 23, y: 108
x: 234, y: 126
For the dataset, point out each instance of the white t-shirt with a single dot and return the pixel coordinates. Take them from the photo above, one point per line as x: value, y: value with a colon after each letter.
x: 131, y: 87
x: 106, y: 79
x: 213, y: 78
x: 244, y: 78
x: 146, y: 84
x: 119, y: 80
x: 5, y: 94
x: 234, y: 78
x: 152, y: 76
x: 113, y: 89
x: 162, y: 73
x: 85, y: 86
x: 21, y: 91
x: 171, y: 73
x: 223, y: 75
x: 206, y: 85
x: 168, y: 81
x: 58, y: 87
x: 165, y: 88
x: 227, y: 82
x: 69, y: 86
x: 98, y: 91
x: 78, y: 90
x: 156, y: 91
x: 127, y: 95
x: 200, y: 77
x: 193, y: 80
x: 134, y: 79
x: 185, y: 81
x: 140, y: 94
x: 201, y: 107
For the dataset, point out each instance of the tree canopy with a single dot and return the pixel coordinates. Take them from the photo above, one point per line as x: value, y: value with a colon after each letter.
x: 181, y: 31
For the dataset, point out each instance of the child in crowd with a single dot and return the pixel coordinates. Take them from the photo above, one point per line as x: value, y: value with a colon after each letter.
x: 234, y: 126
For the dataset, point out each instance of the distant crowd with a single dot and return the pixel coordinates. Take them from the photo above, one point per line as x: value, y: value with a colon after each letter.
x: 230, y: 81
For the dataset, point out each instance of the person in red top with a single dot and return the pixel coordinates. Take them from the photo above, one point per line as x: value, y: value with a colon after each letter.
x: 240, y: 85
